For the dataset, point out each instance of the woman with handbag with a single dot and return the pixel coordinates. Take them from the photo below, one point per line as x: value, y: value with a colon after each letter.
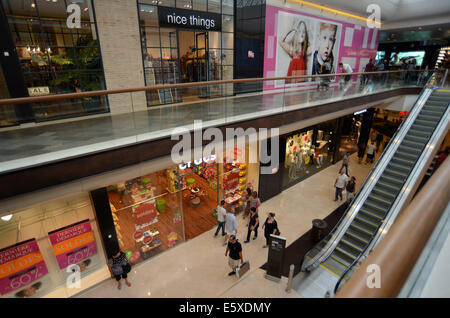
x: 119, y: 267
x: 270, y: 226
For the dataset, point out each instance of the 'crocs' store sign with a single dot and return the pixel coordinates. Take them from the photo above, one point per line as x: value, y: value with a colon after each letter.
x: 188, y: 19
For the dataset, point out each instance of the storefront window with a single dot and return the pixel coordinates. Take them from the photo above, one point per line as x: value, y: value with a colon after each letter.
x: 186, y: 55
x: 56, y: 58
x: 308, y: 152
x: 52, y: 233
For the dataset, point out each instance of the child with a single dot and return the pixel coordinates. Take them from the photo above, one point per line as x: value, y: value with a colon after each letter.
x: 324, y: 54
x: 297, y: 48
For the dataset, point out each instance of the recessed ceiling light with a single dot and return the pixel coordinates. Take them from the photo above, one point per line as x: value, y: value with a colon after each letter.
x: 6, y: 218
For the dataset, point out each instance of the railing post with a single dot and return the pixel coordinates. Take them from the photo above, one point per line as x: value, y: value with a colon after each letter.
x: 291, y: 275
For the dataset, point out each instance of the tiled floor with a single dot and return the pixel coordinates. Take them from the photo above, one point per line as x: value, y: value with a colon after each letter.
x: 198, y: 267
x: 25, y: 147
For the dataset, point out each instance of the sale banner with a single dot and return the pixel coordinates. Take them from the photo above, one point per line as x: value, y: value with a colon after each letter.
x: 73, y: 243
x: 145, y: 214
x: 20, y: 264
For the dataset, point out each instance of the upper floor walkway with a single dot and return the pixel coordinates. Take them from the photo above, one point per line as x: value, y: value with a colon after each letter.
x: 117, y: 140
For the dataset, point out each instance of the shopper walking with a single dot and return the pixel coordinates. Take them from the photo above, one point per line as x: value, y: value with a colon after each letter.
x: 371, y: 149
x: 350, y: 189
x: 254, y: 201
x: 221, y: 218
x: 379, y: 140
x: 119, y: 267
x: 230, y: 224
x: 339, y: 184
x: 248, y: 195
x: 345, y: 162
x: 270, y: 226
x: 253, y: 224
x: 235, y: 250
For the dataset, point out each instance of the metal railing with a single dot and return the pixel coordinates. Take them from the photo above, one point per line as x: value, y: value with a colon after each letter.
x: 364, y: 191
x: 398, y: 252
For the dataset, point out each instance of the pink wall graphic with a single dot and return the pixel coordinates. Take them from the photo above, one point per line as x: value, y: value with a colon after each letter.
x: 352, y: 44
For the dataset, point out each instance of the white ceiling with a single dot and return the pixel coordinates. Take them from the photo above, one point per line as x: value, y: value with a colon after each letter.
x: 393, y: 11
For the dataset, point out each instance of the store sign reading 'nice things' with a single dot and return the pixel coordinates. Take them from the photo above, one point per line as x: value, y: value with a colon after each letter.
x: 189, y: 19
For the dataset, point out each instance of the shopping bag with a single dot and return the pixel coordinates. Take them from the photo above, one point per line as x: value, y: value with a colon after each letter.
x: 244, y: 268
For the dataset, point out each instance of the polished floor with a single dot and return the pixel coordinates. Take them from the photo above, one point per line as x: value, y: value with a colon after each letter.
x: 22, y: 147
x: 198, y: 267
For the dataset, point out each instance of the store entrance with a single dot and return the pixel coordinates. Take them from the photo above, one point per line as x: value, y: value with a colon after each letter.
x: 194, y: 59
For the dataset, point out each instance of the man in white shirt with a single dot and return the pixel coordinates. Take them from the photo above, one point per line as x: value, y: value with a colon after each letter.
x: 339, y: 184
x: 221, y: 218
x: 231, y: 224
x: 346, y: 69
x: 371, y: 149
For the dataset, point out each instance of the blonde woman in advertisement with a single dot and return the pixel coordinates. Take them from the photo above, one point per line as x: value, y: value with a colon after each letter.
x: 296, y: 44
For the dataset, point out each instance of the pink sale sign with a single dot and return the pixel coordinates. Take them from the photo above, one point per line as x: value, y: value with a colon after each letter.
x: 73, y: 243
x: 20, y: 265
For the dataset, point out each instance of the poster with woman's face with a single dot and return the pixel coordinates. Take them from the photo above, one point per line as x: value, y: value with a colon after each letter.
x: 304, y: 44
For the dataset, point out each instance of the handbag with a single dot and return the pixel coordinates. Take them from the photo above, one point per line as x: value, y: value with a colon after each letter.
x: 244, y: 268
x: 277, y: 232
x: 126, y: 268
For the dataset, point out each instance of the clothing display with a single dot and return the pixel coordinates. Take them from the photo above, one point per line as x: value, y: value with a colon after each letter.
x: 297, y: 67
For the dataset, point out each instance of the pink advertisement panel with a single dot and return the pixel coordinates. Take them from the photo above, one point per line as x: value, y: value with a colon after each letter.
x: 20, y: 265
x: 73, y: 244
x: 298, y: 43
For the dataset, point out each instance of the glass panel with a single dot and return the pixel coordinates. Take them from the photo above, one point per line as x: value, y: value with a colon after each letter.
x: 227, y: 23
x: 152, y: 57
x: 227, y: 72
x: 51, y: 9
x: 148, y: 217
x: 148, y: 15
x: 87, y: 29
x: 22, y: 27
x: 167, y: 36
x: 199, y: 5
x: 214, y: 6
x: 227, y: 7
x: 86, y: 10
x: 227, y: 57
x: 227, y: 40
x: 165, y: 3
x: 214, y: 40
x: 62, y: 58
x: 184, y: 4
x: 150, y: 37
x: 21, y: 8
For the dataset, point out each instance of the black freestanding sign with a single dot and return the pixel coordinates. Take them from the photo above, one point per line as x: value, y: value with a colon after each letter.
x: 189, y: 19
x: 276, y: 257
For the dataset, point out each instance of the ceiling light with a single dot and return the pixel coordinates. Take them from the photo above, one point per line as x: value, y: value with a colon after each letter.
x: 33, y: 5
x: 6, y: 218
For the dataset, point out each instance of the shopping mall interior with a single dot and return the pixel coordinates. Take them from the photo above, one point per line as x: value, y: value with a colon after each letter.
x: 124, y: 124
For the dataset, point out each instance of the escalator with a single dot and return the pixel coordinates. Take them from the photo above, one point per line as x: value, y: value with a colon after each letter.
x: 387, y: 189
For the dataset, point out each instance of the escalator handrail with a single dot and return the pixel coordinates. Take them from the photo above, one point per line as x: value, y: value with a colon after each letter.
x: 363, y: 191
x: 396, y: 206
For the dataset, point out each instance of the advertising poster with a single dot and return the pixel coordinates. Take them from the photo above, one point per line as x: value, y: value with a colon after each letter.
x: 145, y: 214
x: 231, y: 181
x: 73, y: 244
x: 297, y: 43
x: 20, y: 265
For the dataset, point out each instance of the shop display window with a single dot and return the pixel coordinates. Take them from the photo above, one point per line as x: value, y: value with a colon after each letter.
x: 50, y: 232
x: 234, y: 178
x: 57, y: 59
x: 308, y: 152
x: 146, y: 215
